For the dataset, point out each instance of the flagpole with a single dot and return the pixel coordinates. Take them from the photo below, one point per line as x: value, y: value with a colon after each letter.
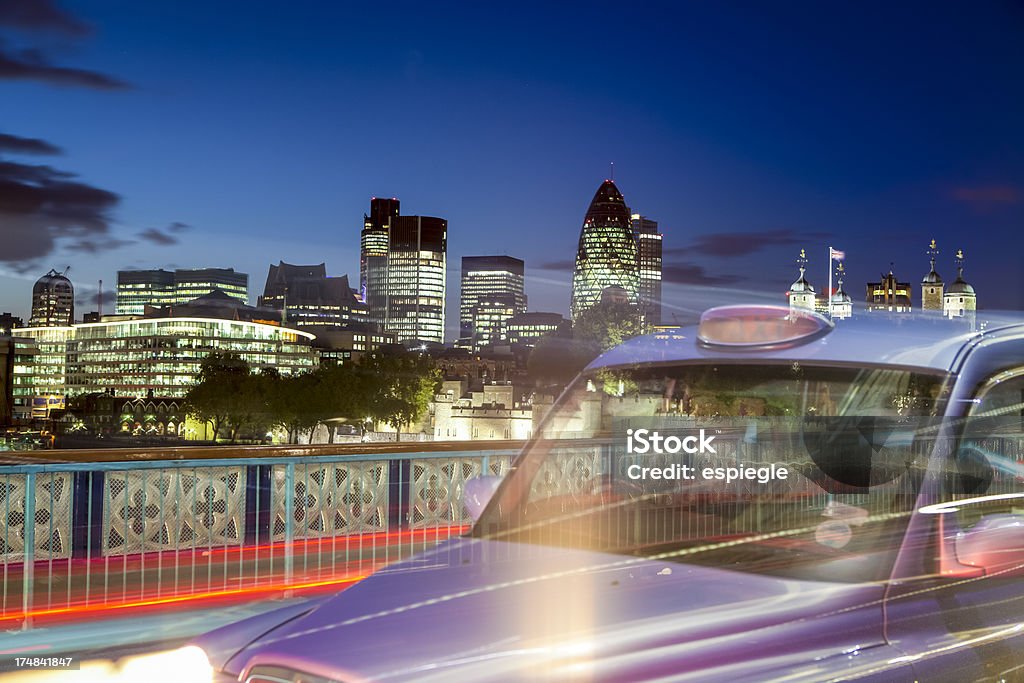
x: 828, y: 294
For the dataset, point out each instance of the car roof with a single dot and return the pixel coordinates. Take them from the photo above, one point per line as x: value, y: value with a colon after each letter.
x: 917, y: 340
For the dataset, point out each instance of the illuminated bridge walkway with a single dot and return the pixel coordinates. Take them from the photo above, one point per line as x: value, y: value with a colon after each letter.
x: 88, y: 534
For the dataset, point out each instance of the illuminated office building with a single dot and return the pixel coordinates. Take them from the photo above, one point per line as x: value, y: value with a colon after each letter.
x: 53, y: 301
x: 649, y: 258
x: 529, y: 328
x: 137, y: 289
x: 492, y: 291
x: 307, y: 297
x: 40, y: 369
x: 373, y: 256
x: 415, y: 282
x: 607, y: 253
x: 889, y: 294
x: 149, y: 356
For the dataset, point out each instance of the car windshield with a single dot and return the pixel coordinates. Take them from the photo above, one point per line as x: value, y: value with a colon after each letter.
x: 795, y: 470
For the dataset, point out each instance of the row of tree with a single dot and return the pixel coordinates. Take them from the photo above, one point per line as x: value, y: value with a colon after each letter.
x: 392, y: 387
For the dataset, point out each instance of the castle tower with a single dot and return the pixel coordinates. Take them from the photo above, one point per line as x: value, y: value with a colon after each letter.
x: 801, y: 292
x: 931, y: 285
x: 840, y: 304
x: 960, y: 298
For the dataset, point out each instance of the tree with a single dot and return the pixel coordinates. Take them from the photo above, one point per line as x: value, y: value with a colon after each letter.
x: 218, y: 392
x: 557, y: 361
x: 608, y: 324
x: 399, y: 386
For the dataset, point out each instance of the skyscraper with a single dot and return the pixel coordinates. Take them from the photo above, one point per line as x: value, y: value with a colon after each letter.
x: 53, y: 301
x: 373, y: 255
x: 415, y: 280
x: 137, y: 289
x: 648, y: 247
x: 607, y: 253
x: 496, y: 281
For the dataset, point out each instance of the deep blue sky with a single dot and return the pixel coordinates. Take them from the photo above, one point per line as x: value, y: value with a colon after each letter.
x: 747, y: 130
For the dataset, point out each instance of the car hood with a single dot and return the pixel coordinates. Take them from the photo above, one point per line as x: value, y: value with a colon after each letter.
x: 480, y: 609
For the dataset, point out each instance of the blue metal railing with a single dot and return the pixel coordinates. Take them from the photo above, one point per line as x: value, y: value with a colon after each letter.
x: 79, y: 535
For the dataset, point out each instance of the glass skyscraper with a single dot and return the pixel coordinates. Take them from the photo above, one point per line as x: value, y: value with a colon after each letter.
x: 53, y: 301
x: 415, y: 280
x: 490, y: 286
x: 607, y: 252
x: 373, y: 256
x: 648, y: 246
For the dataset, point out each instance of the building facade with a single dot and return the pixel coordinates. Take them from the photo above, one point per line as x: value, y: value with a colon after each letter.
x: 9, y: 322
x: 373, y: 256
x: 6, y: 380
x: 492, y: 290
x: 931, y: 284
x: 960, y: 299
x: 889, y: 294
x: 529, y: 328
x: 137, y: 289
x: 149, y: 357
x: 415, y: 280
x: 607, y: 253
x: 53, y: 301
x: 308, y: 298
x: 801, y: 293
x: 649, y: 264
x: 40, y: 366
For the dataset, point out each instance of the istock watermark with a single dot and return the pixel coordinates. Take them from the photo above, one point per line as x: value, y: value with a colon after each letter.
x: 643, y: 441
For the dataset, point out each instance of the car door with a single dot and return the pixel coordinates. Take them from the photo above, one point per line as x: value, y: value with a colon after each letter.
x: 956, y: 607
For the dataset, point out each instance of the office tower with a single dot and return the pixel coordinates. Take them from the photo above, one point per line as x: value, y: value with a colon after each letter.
x: 309, y: 298
x: 137, y: 289
x: 415, y: 280
x: 192, y: 283
x: 53, y: 301
x: 648, y: 249
x: 373, y: 256
x: 496, y: 281
x: 607, y: 253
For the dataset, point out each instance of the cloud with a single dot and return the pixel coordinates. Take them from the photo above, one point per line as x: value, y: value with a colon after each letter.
x: 41, y: 205
x: 40, y: 15
x: 19, y: 145
x: 95, y: 246
x: 692, y: 274
x: 178, y: 226
x: 731, y: 244
x: 558, y: 265
x: 161, y: 237
x: 31, y: 65
x: 987, y: 195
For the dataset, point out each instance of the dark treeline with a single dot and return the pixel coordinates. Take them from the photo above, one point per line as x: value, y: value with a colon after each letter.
x: 238, y: 402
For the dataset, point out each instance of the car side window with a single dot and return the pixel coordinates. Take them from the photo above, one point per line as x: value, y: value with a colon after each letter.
x: 986, y: 474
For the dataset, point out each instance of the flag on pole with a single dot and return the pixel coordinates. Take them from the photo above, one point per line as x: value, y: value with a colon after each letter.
x: 836, y: 254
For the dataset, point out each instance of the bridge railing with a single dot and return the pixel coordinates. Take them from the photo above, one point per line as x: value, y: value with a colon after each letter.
x: 77, y: 535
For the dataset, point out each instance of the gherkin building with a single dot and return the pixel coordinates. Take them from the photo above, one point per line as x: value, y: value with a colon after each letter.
x: 607, y: 255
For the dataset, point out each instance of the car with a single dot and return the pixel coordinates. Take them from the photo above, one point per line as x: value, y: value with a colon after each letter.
x: 766, y: 495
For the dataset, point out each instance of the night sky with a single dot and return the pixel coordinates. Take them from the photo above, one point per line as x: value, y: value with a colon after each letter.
x: 188, y: 134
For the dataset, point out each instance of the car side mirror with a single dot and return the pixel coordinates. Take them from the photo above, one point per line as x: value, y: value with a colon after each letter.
x: 995, y: 545
x: 478, y: 492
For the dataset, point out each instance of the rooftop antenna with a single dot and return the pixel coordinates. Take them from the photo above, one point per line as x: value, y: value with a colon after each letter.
x: 613, y: 170
x: 99, y: 300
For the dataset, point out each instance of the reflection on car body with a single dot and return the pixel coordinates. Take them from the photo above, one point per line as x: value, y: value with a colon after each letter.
x: 891, y: 550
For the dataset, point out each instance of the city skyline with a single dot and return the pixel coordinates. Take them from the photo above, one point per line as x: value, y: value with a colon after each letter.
x: 742, y: 155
